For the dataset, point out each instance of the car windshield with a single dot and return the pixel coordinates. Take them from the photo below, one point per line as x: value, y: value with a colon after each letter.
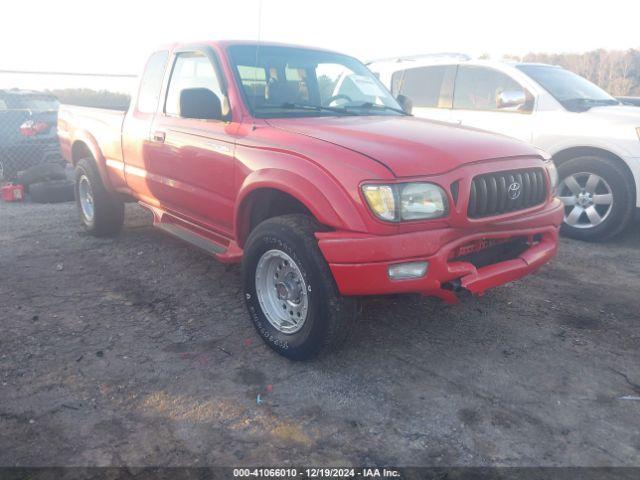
x: 297, y: 82
x: 574, y: 92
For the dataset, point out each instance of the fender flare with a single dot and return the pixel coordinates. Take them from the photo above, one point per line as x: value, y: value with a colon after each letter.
x: 338, y: 214
x: 85, y: 138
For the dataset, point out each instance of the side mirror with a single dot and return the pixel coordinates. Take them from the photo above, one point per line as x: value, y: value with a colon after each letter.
x: 405, y: 102
x: 200, y: 103
x: 511, y: 98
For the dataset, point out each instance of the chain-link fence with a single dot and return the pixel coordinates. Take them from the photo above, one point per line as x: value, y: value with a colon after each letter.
x: 27, y: 131
x: 29, y: 110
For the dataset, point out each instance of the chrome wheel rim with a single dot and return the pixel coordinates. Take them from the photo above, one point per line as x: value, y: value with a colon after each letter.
x: 281, y: 291
x: 587, y: 199
x: 85, y: 193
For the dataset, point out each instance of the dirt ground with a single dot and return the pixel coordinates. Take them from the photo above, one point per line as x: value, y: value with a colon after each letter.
x: 138, y: 351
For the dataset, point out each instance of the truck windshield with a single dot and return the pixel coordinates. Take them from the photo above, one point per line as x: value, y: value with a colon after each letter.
x: 297, y: 82
x: 572, y: 91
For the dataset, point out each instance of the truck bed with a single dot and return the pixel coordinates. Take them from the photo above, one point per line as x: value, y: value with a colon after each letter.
x: 102, y: 124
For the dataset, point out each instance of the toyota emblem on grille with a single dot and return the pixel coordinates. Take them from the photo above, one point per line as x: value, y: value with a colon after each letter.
x: 514, y: 190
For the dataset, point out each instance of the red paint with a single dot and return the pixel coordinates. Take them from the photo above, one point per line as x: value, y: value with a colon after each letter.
x: 202, y: 177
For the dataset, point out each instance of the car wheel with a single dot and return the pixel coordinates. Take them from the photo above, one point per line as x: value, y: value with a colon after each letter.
x: 101, y: 213
x: 290, y: 293
x: 598, y: 198
x: 55, y: 191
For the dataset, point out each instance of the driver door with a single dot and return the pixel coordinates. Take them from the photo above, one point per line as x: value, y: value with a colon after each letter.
x: 476, y: 102
x: 191, y: 160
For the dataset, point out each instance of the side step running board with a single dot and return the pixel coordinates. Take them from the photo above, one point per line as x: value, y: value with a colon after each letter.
x: 193, y: 238
x: 223, y: 249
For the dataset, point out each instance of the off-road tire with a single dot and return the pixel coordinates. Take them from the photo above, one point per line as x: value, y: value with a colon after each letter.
x: 622, y: 210
x: 55, y: 191
x: 330, y: 316
x: 108, y: 216
x: 41, y: 173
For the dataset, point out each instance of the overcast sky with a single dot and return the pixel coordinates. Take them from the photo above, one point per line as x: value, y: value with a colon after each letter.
x: 115, y: 35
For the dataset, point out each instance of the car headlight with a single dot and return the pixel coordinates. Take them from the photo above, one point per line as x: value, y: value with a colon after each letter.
x: 553, y: 176
x: 406, y: 201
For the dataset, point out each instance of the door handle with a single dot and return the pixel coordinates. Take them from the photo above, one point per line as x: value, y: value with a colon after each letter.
x: 158, y: 137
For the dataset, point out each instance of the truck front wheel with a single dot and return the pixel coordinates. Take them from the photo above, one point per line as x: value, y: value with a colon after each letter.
x: 101, y: 213
x: 290, y: 293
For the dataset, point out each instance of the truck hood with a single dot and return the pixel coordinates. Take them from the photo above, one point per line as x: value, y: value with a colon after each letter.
x: 408, y: 146
x: 624, y: 114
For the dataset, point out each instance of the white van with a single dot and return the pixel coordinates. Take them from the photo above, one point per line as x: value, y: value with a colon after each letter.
x: 593, y: 138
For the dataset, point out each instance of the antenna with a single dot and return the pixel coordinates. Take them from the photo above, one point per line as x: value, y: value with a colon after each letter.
x: 256, y: 60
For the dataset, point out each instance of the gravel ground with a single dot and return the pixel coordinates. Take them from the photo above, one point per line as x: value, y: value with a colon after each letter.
x: 138, y: 351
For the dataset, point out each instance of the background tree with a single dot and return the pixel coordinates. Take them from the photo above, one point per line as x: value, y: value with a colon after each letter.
x: 616, y: 71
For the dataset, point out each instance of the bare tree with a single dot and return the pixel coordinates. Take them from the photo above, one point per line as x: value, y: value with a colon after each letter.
x: 616, y: 71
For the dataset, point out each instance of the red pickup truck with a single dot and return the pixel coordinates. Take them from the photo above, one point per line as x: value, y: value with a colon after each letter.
x: 300, y: 164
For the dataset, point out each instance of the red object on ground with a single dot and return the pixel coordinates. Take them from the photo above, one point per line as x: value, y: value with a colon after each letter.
x: 12, y: 193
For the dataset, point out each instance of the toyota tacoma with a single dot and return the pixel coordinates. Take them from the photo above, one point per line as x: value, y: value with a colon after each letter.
x: 249, y: 152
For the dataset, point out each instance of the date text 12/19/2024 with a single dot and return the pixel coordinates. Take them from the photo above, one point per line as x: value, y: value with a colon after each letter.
x: 316, y: 473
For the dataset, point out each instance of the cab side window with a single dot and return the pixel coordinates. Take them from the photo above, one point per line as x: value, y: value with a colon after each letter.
x: 151, y: 82
x: 190, y: 70
x: 480, y: 88
x: 427, y: 87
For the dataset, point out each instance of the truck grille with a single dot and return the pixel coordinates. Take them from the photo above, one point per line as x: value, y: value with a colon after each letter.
x: 502, y: 192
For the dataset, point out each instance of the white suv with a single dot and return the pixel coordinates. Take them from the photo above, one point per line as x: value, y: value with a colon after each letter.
x: 594, y: 140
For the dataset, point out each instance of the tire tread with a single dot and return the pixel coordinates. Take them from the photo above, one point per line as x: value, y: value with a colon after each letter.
x: 341, y: 311
x: 108, y: 210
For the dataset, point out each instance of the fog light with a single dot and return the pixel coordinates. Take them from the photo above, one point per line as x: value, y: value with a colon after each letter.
x: 406, y: 271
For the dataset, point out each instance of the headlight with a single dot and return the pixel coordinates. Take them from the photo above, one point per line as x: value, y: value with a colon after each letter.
x: 553, y: 176
x: 422, y: 200
x: 406, y: 201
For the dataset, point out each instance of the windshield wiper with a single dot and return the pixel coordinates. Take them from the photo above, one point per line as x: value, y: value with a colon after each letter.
x: 317, y: 108
x: 371, y: 105
x: 587, y: 103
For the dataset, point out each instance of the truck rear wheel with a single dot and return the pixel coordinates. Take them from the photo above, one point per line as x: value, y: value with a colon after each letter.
x: 290, y: 292
x: 597, y: 196
x: 101, y: 213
